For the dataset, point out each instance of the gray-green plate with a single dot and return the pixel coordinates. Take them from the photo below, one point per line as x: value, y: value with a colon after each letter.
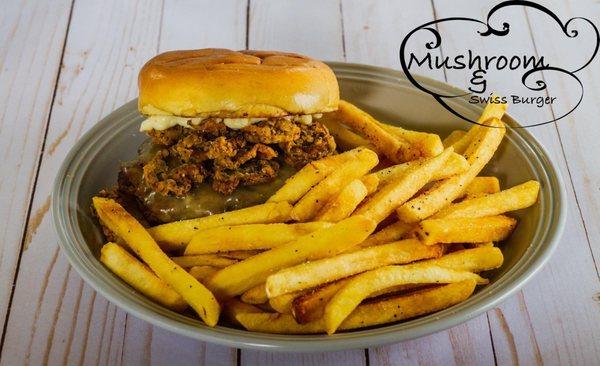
x: 93, y: 164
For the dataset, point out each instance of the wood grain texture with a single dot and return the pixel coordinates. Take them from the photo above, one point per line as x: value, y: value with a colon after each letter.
x: 296, y: 26
x: 544, y: 322
x: 32, y: 34
x: 373, y: 31
x: 60, y: 320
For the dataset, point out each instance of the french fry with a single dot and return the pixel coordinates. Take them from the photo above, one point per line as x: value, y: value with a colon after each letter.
x: 383, y: 311
x: 342, y: 205
x: 140, y: 277
x: 312, y: 173
x: 344, y: 138
x: 388, y: 234
x: 359, y: 287
x: 515, y: 198
x: 399, y: 189
x: 472, y: 260
x: 446, y: 191
x: 310, y: 305
x: 317, y: 197
x: 234, y: 307
x: 237, y: 278
x: 455, y: 164
x: 201, y: 273
x: 325, y: 270
x: 465, y: 230
x: 139, y: 240
x: 189, y: 261
x: 453, y: 137
x: 480, y: 245
x: 480, y: 186
x: 371, y: 182
x: 256, y: 295
x: 490, y: 111
x: 283, y: 304
x: 240, y: 254
x: 176, y: 235
x: 428, y: 144
x: 249, y: 237
x: 396, y: 149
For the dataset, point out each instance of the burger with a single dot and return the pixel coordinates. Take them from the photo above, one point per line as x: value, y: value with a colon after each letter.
x: 225, y: 129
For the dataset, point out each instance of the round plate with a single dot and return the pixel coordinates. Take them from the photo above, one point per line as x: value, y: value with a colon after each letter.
x: 93, y: 163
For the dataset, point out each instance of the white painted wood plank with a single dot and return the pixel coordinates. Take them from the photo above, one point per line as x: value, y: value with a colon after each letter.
x: 54, y: 315
x: 373, y: 33
x: 69, y: 322
x: 550, y: 320
x: 190, y: 24
x: 32, y: 35
x: 310, y: 27
x: 313, y: 28
x: 374, y: 30
x: 345, y: 358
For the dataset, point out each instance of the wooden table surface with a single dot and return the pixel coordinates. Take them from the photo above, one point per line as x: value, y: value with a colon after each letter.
x: 66, y: 63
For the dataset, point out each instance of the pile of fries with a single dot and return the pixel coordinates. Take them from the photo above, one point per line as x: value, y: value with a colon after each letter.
x: 398, y: 225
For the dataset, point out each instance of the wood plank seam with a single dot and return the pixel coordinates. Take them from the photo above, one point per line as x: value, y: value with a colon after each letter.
x: 365, y: 350
x: 487, y: 316
x: 562, y: 150
x: 35, y: 179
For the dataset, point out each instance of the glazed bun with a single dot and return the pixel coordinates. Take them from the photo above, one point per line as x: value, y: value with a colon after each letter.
x: 225, y: 83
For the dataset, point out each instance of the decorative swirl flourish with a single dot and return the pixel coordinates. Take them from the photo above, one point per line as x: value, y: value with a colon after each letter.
x: 538, y: 85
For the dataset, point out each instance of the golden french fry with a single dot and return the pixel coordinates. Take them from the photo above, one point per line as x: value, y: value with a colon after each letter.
x: 234, y: 307
x: 140, y: 277
x: 240, y: 254
x: 388, y: 234
x: 176, y: 235
x: 455, y: 164
x: 201, y: 273
x: 312, y: 173
x: 480, y: 186
x: 344, y: 138
x: 465, y: 230
x: 396, y: 149
x: 480, y: 245
x: 490, y: 111
x: 317, y: 197
x: 283, y: 303
x: 256, y: 295
x: 139, y: 240
x: 213, y: 260
x: 326, y: 270
x: 371, y: 182
x: 428, y: 144
x: 362, y: 285
x: 446, y: 191
x: 515, y: 198
x: 237, y: 278
x: 249, y: 237
x: 453, y: 137
x: 342, y: 205
x: 383, y: 311
x: 310, y: 306
x: 399, y: 189
x: 472, y: 260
